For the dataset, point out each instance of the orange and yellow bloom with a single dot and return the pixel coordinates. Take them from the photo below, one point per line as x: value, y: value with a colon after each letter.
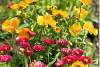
x: 80, y: 13
x: 89, y: 26
x: 11, y: 25
x: 46, y: 20
x: 78, y: 64
x: 86, y: 2
x: 75, y: 28
x: 30, y: 1
x: 60, y: 13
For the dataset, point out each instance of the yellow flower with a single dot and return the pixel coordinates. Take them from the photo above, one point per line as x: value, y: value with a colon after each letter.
x: 80, y: 13
x: 75, y: 29
x: 23, y: 32
x: 46, y: 20
x: 60, y: 13
x: 23, y: 5
x: 51, y: 7
x: 78, y: 64
x: 10, y: 25
x: 89, y: 26
x: 57, y: 29
x: 86, y: 2
x: 30, y: 1
x: 15, y: 6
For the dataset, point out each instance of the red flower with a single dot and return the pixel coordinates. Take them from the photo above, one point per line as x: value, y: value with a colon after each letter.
x: 74, y: 57
x: 49, y: 41
x: 22, y: 39
x: 60, y: 63
x: 31, y: 33
x: 66, y: 51
x: 62, y: 42
x: 5, y: 58
x: 9, y: 5
x: 28, y: 51
x: 85, y: 59
x: 5, y: 47
x: 77, y: 52
x: 38, y: 48
x: 24, y: 44
x: 39, y: 64
x: 68, y: 59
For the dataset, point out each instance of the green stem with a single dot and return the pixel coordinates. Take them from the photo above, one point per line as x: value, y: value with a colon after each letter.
x: 56, y: 57
x: 26, y: 64
x: 30, y: 59
x: 48, y: 55
x: 5, y: 65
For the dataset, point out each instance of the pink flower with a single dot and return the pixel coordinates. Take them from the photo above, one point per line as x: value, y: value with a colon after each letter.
x: 28, y: 51
x: 85, y: 59
x: 5, y: 47
x: 38, y: 48
x: 31, y: 33
x: 48, y: 41
x: 77, y: 52
x: 39, y: 64
x: 62, y: 42
x: 24, y: 44
x: 5, y: 58
x: 60, y: 63
x: 68, y: 59
x: 22, y: 39
x: 66, y: 51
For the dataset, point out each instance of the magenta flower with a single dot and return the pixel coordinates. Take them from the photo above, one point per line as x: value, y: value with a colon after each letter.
x: 5, y: 47
x: 5, y: 58
x: 38, y: 48
x: 48, y: 41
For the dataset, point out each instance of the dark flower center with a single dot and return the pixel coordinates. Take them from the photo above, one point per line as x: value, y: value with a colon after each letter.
x: 78, y: 66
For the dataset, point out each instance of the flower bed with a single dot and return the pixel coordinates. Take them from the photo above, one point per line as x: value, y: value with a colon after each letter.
x: 48, y: 33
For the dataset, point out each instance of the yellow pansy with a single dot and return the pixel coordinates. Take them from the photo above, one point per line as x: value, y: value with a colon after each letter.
x: 46, y: 20
x: 86, y: 2
x: 60, y: 13
x: 89, y: 26
x: 30, y: 1
x: 75, y: 28
x: 10, y: 25
x: 80, y: 13
x: 15, y: 6
x: 78, y: 64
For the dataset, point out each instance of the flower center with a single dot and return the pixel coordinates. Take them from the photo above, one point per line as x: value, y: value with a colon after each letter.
x: 78, y: 66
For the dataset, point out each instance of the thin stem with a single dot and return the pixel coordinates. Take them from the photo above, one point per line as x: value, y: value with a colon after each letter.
x: 26, y: 64
x: 48, y: 55
x: 5, y: 65
x: 30, y: 59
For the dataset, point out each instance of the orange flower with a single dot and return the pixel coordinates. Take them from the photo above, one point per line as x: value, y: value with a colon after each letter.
x: 30, y: 1
x: 23, y: 32
x: 86, y: 2
x: 75, y: 28
x: 57, y: 29
x: 15, y: 6
x: 46, y: 20
x: 80, y: 13
x: 11, y: 25
x: 78, y: 64
x: 60, y: 13
x: 89, y: 26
